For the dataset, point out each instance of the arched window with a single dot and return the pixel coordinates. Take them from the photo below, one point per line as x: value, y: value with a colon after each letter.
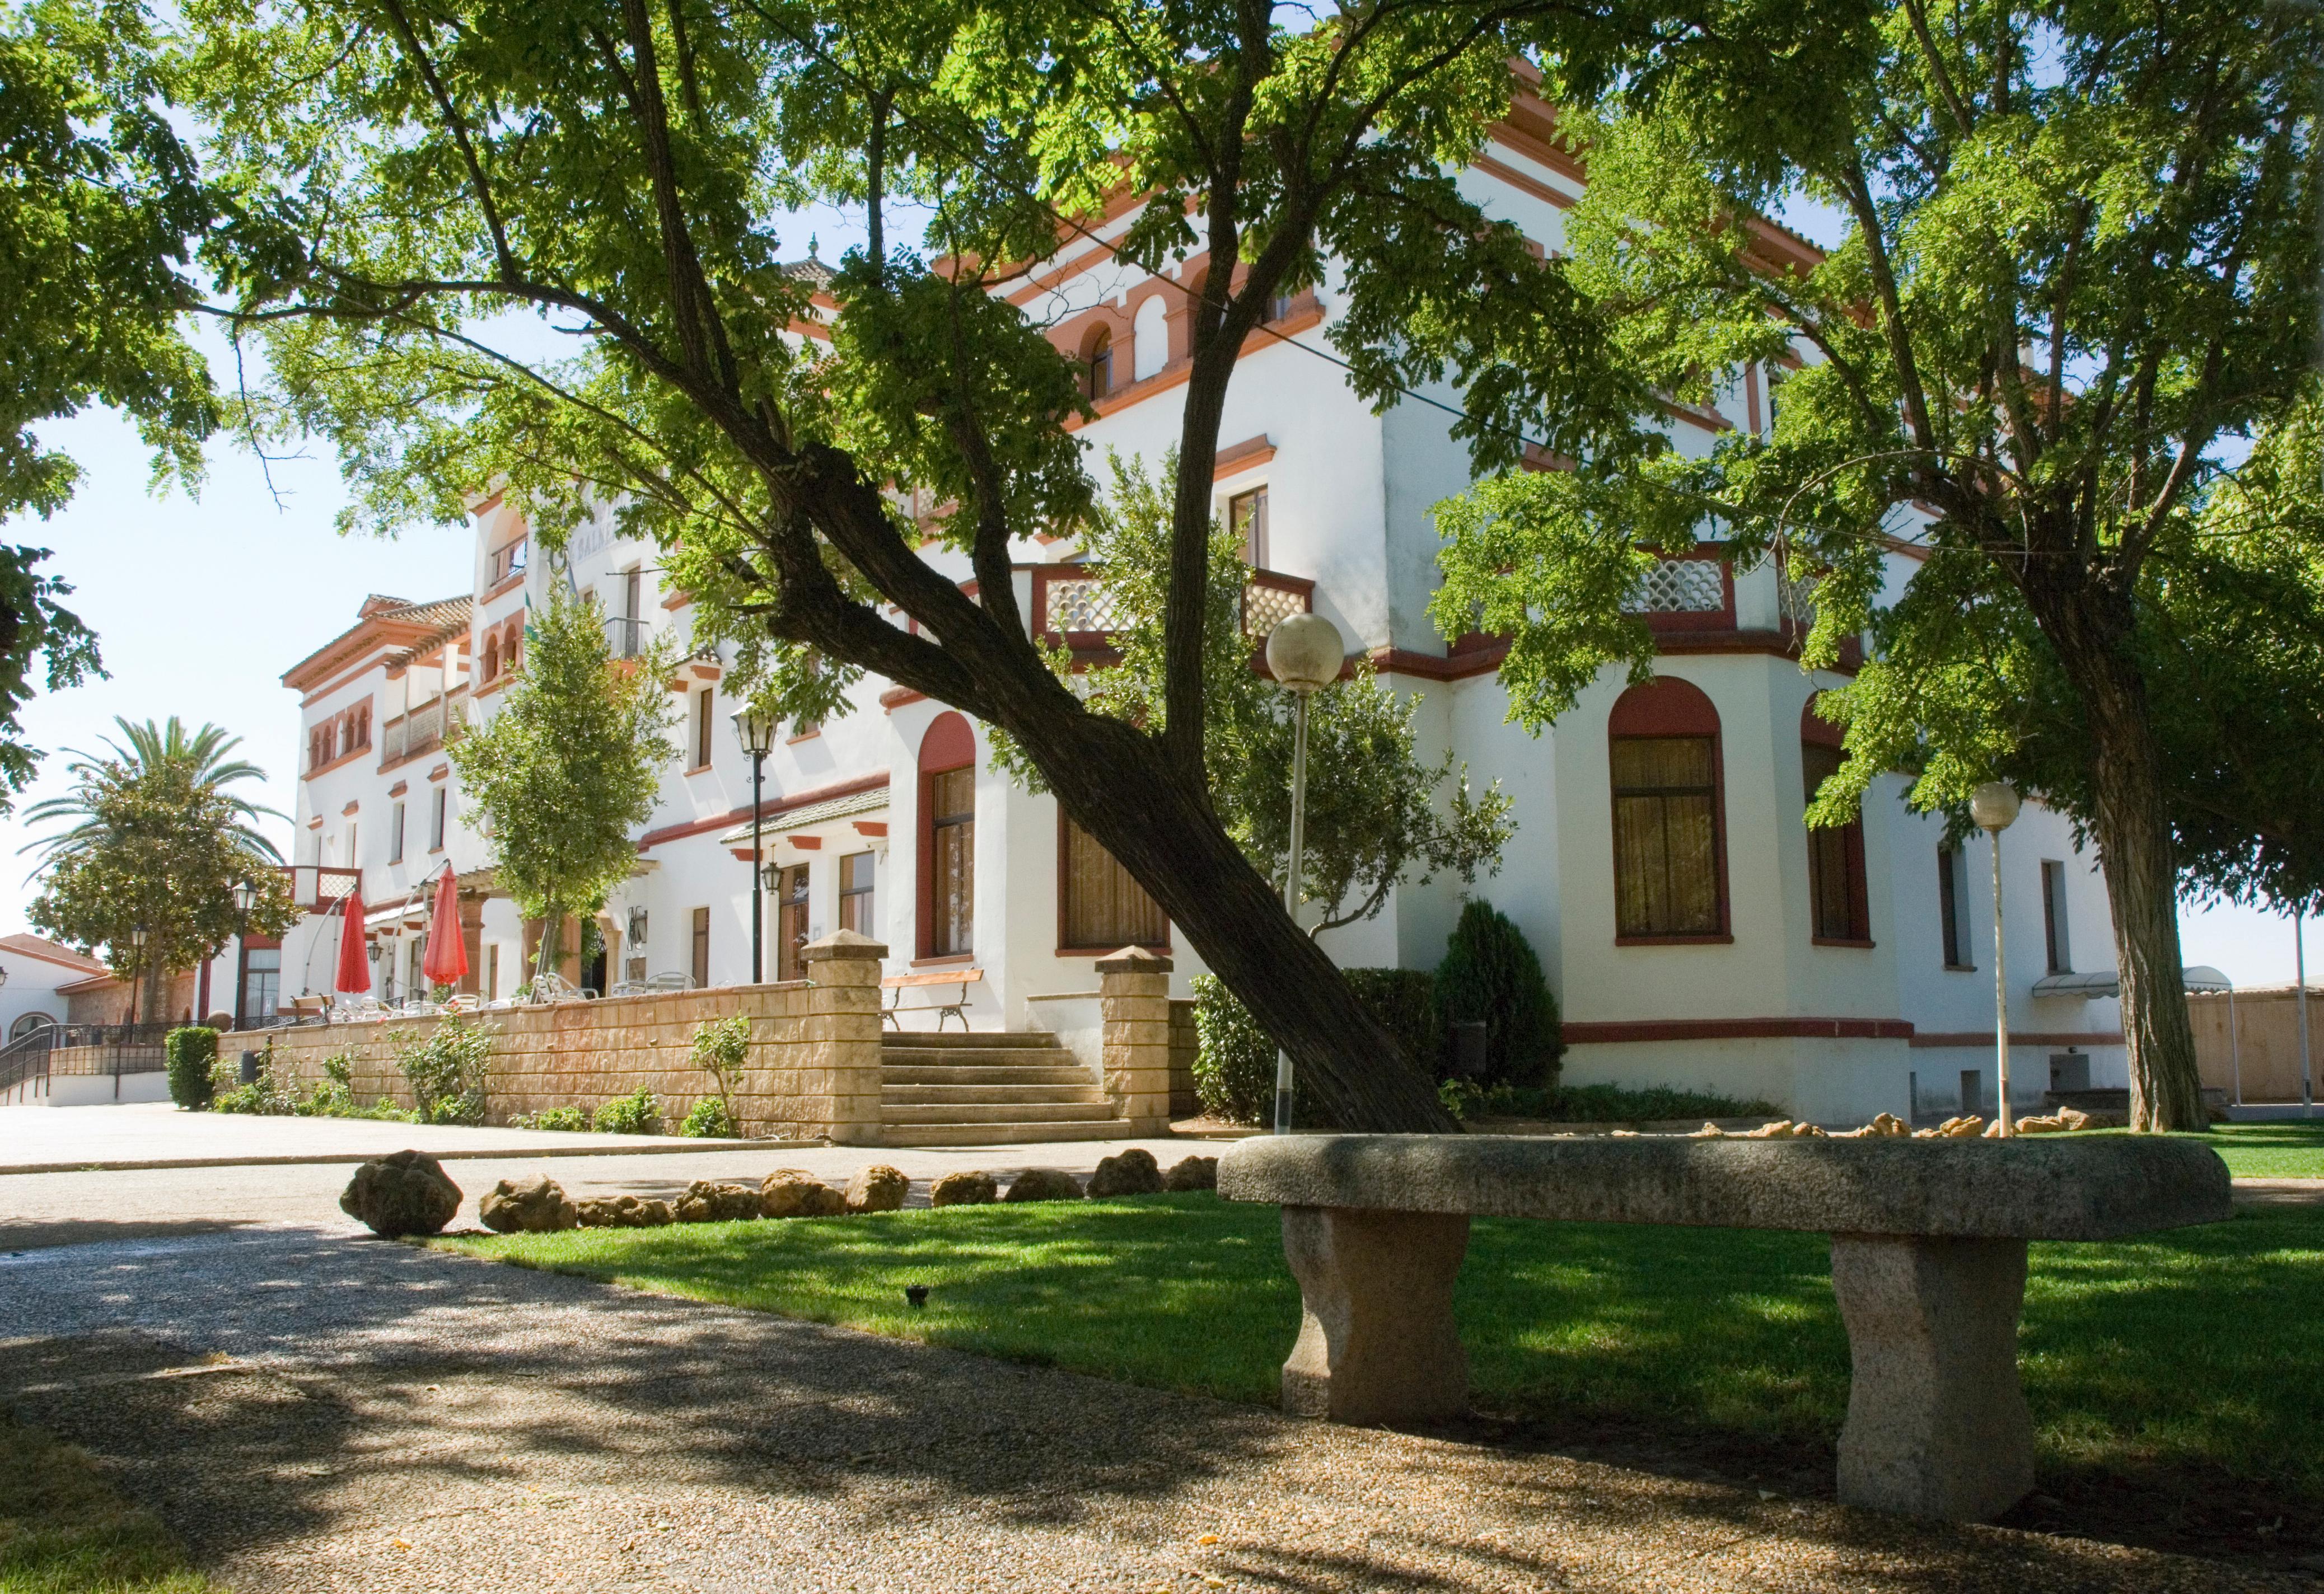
x: 1150, y: 337
x: 1670, y: 846
x: 1100, y: 360
x: 1837, y: 908
x: 29, y: 1023
x: 492, y: 659
x: 947, y: 838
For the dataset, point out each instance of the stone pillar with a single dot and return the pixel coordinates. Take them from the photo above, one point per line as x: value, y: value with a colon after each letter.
x: 842, y: 1034
x: 1134, y: 1008
x: 1937, y: 1424
x: 1377, y: 1339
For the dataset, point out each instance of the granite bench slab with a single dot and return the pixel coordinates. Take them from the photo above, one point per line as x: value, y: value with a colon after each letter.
x: 1929, y: 1242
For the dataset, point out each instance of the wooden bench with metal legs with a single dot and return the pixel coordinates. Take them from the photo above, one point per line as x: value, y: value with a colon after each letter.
x: 896, y: 984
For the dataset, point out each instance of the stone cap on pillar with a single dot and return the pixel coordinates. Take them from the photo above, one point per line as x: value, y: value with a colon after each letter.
x: 1133, y: 959
x: 845, y: 944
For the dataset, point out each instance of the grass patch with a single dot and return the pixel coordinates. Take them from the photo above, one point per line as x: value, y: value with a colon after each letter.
x: 64, y: 1530
x: 1607, y: 1103
x: 2293, y: 1150
x: 2175, y: 1351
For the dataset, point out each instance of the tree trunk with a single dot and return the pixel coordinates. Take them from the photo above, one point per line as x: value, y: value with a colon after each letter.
x: 1116, y: 783
x: 2090, y: 624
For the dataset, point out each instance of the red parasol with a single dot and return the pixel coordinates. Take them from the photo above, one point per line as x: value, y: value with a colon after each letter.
x: 354, y: 966
x: 447, y: 959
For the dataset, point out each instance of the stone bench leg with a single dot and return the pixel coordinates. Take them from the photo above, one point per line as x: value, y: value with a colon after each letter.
x: 1377, y: 1340
x: 1937, y: 1424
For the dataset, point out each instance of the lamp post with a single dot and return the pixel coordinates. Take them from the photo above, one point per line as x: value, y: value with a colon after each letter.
x: 754, y: 728
x: 137, y: 950
x: 2299, y: 978
x: 1993, y: 807
x: 1305, y: 652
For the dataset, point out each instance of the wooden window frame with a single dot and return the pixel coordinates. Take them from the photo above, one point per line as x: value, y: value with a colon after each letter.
x: 1066, y: 946
x: 867, y: 893
x: 1254, y: 544
x: 1816, y: 732
x: 2057, y: 939
x: 698, y: 949
x: 948, y: 746
x: 1953, y: 909
x: 1666, y: 708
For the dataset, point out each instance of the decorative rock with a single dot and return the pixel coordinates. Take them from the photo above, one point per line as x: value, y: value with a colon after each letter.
x: 1953, y: 1128
x: 404, y: 1193
x: 877, y: 1189
x: 1043, y: 1184
x: 1127, y: 1173
x: 706, y: 1200
x: 2073, y: 1118
x: 1193, y: 1173
x: 793, y: 1192
x: 622, y: 1211
x: 967, y: 1187
x: 2041, y: 1124
x: 527, y: 1206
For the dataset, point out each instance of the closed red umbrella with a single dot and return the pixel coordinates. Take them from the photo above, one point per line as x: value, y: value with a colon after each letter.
x: 354, y: 967
x: 447, y: 959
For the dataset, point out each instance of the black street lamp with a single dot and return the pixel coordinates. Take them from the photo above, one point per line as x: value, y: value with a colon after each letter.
x: 754, y: 728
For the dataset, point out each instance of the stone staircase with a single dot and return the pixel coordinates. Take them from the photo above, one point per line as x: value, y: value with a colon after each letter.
x: 988, y: 1088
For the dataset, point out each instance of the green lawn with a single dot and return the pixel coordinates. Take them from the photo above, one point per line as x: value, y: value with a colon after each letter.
x: 64, y: 1530
x: 2293, y: 1150
x: 2180, y: 1353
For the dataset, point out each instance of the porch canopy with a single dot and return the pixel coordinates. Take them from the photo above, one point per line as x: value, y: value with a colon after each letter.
x: 2200, y: 978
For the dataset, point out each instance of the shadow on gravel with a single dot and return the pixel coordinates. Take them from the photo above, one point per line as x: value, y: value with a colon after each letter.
x: 41, y: 1236
x: 399, y: 1378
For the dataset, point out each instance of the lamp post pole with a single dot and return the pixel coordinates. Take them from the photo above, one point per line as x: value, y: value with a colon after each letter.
x: 756, y: 729
x: 1994, y: 807
x: 1307, y: 653
x: 2299, y: 978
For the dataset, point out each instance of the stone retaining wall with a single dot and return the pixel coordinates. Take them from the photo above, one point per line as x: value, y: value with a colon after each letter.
x: 812, y: 1070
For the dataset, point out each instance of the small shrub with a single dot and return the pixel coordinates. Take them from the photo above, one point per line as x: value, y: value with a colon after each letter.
x: 1490, y: 973
x: 1234, y: 1062
x: 569, y: 1119
x: 189, y: 1051
x: 710, y: 1118
x: 719, y: 1050
x: 637, y: 1113
x: 447, y: 1068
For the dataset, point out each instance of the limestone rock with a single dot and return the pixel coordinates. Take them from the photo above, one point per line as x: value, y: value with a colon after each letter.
x: 624, y: 1211
x: 1954, y: 1129
x: 404, y: 1193
x: 1126, y: 1172
x: 1043, y: 1184
x: 1888, y: 1124
x: 537, y: 1206
x: 877, y: 1189
x: 707, y: 1201
x: 2073, y: 1118
x: 964, y: 1188
x: 1783, y: 1129
x: 1193, y: 1173
x: 2041, y: 1124
x: 1709, y: 1132
x: 794, y: 1193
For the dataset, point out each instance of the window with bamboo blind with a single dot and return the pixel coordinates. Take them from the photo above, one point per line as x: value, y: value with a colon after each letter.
x: 1099, y: 909
x: 947, y: 827
x: 1669, y: 857
x: 1839, y: 907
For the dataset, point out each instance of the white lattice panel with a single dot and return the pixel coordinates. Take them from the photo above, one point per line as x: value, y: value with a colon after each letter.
x: 1795, y: 595
x: 1680, y: 586
x: 1084, y: 605
x: 1265, y: 607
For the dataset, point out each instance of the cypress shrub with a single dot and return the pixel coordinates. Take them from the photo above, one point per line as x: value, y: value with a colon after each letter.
x: 189, y: 1051
x: 1490, y: 973
x: 1234, y: 1067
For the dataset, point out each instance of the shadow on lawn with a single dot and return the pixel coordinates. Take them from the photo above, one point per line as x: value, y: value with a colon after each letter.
x: 249, y: 1457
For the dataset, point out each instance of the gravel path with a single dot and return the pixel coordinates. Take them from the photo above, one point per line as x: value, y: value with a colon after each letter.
x: 394, y: 1419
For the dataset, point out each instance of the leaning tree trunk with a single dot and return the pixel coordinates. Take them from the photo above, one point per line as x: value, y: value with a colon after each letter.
x: 2132, y: 822
x: 1116, y: 784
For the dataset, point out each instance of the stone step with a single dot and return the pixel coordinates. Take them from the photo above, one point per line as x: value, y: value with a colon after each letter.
x: 974, y: 1112
x: 894, y: 1095
x: 979, y: 1057
x: 1064, y: 1076
x: 1001, y: 1134
x: 976, y: 1039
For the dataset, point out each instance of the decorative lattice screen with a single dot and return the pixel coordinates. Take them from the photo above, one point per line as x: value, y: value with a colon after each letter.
x: 1265, y: 607
x: 1680, y: 586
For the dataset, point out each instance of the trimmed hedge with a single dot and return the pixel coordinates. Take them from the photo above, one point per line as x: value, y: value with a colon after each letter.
x: 189, y: 1051
x: 1234, y: 1067
x: 1490, y: 972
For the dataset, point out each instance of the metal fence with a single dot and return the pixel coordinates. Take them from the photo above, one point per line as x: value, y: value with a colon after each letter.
x: 100, y: 1049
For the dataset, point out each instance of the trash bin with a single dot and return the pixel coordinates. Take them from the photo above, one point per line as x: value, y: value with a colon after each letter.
x: 250, y: 1068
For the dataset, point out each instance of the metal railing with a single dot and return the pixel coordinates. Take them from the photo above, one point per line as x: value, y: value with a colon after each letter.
x: 419, y: 731
x: 121, y: 1049
x: 508, y: 561
x: 626, y: 637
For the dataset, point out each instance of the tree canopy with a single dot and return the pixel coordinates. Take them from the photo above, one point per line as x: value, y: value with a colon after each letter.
x: 2079, y: 276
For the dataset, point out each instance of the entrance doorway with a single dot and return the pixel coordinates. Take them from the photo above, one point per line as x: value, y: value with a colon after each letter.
x: 790, y: 922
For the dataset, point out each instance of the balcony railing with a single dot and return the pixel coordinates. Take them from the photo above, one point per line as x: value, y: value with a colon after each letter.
x: 418, y: 731
x: 315, y: 887
x: 508, y: 561
x: 625, y: 638
x: 1073, y: 605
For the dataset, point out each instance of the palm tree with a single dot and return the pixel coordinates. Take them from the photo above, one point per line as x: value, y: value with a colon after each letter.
x: 161, y: 754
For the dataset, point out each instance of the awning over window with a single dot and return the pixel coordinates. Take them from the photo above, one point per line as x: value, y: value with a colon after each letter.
x: 2200, y: 977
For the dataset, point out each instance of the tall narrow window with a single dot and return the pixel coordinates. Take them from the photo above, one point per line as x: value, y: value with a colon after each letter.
x: 2053, y: 917
x: 1247, y: 519
x: 435, y: 816
x: 1837, y: 910
x: 701, y: 966
x: 1099, y: 909
x: 395, y: 834
x: 1669, y: 859
x: 790, y: 922
x: 1952, y: 902
x: 706, y: 705
x: 855, y: 898
x: 947, y: 838
x: 1101, y: 364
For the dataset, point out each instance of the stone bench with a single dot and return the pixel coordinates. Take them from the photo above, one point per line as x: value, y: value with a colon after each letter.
x: 1928, y: 1261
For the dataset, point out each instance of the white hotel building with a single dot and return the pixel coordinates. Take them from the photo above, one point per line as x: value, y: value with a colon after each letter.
x: 1694, y: 931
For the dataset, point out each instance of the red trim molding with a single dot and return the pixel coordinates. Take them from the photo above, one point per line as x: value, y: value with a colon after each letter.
x: 2017, y: 1038
x: 1648, y: 1029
